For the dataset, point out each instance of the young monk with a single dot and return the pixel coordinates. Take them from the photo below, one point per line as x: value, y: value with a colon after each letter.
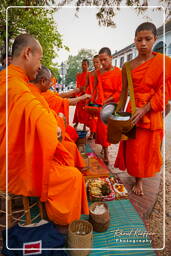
x: 142, y: 156
x: 92, y: 89
x: 42, y: 81
x: 109, y: 80
x: 81, y: 116
x: 32, y: 141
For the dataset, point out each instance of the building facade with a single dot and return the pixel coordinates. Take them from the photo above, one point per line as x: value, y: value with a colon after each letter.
x: 162, y: 44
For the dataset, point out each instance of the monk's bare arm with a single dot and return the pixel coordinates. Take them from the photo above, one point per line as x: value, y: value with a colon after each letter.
x: 70, y: 93
x: 74, y: 101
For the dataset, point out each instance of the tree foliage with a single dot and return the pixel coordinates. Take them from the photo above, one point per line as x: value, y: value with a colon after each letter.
x: 107, y: 9
x: 74, y: 64
x: 36, y: 21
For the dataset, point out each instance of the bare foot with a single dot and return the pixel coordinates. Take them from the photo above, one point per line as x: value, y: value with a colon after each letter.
x: 137, y: 188
x: 90, y: 137
x: 75, y: 125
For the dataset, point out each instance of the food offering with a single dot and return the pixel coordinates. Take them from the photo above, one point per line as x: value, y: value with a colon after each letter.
x: 120, y: 190
x: 100, y: 189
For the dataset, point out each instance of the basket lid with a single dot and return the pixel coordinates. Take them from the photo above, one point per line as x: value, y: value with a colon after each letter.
x: 107, y: 111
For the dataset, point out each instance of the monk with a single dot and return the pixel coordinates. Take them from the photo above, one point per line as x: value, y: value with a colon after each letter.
x: 92, y: 89
x: 33, y: 168
x: 42, y: 81
x: 59, y: 104
x: 142, y: 156
x: 81, y: 116
x: 109, y: 81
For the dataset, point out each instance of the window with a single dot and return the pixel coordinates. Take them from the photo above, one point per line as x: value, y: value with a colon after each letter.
x: 160, y: 47
x: 129, y: 57
x: 116, y: 62
x: 169, y: 50
x: 121, y: 61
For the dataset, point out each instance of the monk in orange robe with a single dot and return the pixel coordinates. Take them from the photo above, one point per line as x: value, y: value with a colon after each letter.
x: 109, y: 81
x: 40, y: 83
x: 32, y: 141
x: 92, y: 90
x: 81, y: 116
x: 142, y: 155
x: 60, y: 104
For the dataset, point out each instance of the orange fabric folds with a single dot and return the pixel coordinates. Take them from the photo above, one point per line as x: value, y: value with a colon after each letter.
x: 142, y: 156
x: 110, y: 82
x: 57, y: 103
x: 38, y: 164
x: 30, y: 149
x: 80, y: 115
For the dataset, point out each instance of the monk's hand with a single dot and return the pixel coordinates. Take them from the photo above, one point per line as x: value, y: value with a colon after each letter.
x: 86, y: 96
x: 59, y: 134
x: 139, y: 113
x: 76, y: 90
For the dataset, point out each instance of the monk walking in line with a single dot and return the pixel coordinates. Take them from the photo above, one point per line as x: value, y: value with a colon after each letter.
x: 109, y: 84
x: 81, y: 116
x: 93, y: 90
x: 33, y: 165
x: 142, y: 156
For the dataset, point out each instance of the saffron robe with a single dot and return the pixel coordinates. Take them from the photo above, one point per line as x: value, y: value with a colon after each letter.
x: 32, y: 143
x: 111, y: 84
x: 80, y: 115
x: 96, y: 92
x: 59, y: 104
x: 142, y: 156
x: 67, y: 142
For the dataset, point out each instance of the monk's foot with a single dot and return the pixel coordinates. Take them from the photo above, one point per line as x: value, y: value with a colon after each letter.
x: 94, y: 135
x: 137, y: 188
x: 75, y: 125
x: 90, y: 137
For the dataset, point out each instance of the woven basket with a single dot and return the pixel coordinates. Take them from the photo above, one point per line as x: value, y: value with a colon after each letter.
x: 99, y: 227
x: 100, y: 222
x: 80, y: 240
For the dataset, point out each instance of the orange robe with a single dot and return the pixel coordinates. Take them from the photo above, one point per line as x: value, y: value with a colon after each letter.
x: 67, y: 142
x: 81, y: 116
x: 111, y: 84
x: 96, y: 97
x: 59, y: 104
x: 32, y: 143
x: 142, y: 156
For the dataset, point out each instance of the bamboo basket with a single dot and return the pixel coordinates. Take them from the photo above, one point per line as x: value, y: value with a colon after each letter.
x: 80, y: 236
x: 100, y: 222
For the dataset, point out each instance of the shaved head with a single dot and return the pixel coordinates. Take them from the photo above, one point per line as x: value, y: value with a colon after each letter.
x: 43, y: 73
x: 27, y: 53
x: 43, y: 79
x: 22, y: 41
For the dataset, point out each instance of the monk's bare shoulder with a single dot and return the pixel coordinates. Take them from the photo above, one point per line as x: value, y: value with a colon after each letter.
x: 133, y: 63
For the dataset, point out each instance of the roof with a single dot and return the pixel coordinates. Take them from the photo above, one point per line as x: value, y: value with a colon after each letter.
x: 167, y: 28
x: 159, y: 32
